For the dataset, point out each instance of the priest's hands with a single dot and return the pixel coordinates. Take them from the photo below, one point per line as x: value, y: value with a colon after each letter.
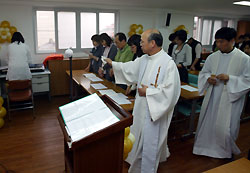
x: 109, y: 61
x: 142, y: 91
x: 212, y: 80
x: 223, y: 77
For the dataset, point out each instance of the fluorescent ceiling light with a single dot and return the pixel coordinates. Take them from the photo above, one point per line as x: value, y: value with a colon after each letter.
x: 246, y: 3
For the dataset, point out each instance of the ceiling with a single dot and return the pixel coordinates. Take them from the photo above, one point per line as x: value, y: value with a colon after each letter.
x: 197, y: 7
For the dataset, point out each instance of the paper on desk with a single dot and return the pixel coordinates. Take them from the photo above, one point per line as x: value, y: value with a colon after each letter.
x: 89, y: 75
x: 95, y: 79
x: 107, y: 92
x: 189, y: 88
x: 120, y: 99
x: 98, y: 86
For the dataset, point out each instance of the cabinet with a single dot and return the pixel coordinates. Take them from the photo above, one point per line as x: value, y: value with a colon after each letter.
x: 41, y: 82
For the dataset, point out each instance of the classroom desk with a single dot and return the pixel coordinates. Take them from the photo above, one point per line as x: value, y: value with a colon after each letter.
x: 85, y: 83
x: 240, y: 166
x: 193, y: 97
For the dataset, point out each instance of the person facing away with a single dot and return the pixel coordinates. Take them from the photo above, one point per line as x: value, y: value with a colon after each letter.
x: 95, y: 55
x: 19, y: 59
x: 225, y: 78
x: 196, y: 53
x: 109, y: 51
x: 124, y: 53
x: 182, y: 54
x: 171, y: 45
x: 135, y: 45
x: 157, y: 78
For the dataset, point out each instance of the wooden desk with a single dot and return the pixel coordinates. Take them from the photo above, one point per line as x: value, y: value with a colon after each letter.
x: 85, y: 83
x: 240, y: 166
x: 193, y: 97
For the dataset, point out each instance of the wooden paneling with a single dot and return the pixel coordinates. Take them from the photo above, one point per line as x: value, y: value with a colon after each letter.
x: 59, y: 81
x: 243, y: 27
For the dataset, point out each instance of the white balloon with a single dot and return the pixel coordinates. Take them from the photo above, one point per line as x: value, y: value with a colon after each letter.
x: 68, y: 53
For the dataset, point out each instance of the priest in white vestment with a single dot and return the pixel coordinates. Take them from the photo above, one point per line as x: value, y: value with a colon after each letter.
x: 225, y: 79
x: 157, y: 78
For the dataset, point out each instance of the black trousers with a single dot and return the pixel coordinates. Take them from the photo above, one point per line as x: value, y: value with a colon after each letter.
x: 183, y: 74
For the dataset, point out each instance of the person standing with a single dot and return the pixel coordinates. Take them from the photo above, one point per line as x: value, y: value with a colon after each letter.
x: 182, y: 54
x: 158, y: 91
x: 225, y: 78
x: 171, y: 45
x: 109, y: 51
x: 95, y: 55
x: 19, y: 59
x: 124, y: 53
x: 196, y: 53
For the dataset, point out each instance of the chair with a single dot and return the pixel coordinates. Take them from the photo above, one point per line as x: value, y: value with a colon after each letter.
x: 19, y: 95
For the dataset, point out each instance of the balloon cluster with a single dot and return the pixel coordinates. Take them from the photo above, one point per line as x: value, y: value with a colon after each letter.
x: 2, y: 112
x: 129, y: 140
x: 6, y: 31
x: 135, y: 29
x: 181, y: 27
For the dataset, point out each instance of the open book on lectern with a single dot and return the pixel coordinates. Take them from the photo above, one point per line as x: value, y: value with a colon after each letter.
x: 86, y: 116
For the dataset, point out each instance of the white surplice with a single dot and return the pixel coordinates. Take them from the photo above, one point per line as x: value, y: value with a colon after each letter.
x: 153, y: 113
x: 219, y: 119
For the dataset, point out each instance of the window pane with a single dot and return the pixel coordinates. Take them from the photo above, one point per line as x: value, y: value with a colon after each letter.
x: 66, y: 30
x: 217, y: 26
x: 45, y: 31
x: 196, y: 27
x: 206, y: 32
x: 88, y: 28
x: 107, y: 23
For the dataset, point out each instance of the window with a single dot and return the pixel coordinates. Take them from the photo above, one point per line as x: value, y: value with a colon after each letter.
x: 107, y: 23
x: 206, y: 27
x: 45, y: 31
x: 57, y: 30
x: 66, y: 30
x: 88, y: 28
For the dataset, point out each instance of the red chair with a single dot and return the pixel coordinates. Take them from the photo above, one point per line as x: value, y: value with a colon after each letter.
x: 19, y: 96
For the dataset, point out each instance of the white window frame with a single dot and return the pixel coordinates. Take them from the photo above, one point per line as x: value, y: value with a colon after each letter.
x: 78, y: 25
x: 200, y: 28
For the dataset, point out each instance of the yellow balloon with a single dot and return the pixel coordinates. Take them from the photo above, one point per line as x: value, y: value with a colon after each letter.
x: 8, y: 39
x: 140, y: 31
x: 131, y: 33
x: 125, y: 156
x: 2, y: 112
x: 12, y: 30
x: 1, y: 122
x: 127, y: 146
x: 4, y: 33
x: 133, y: 27
x: 1, y: 100
x: 127, y: 131
x: 5, y: 24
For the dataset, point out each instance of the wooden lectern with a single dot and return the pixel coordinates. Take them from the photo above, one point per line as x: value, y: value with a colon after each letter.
x: 102, y: 151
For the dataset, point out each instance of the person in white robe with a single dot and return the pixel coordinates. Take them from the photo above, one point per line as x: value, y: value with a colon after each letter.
x: 225, y: 80
x: 158, y: 91
x: 18, y: 59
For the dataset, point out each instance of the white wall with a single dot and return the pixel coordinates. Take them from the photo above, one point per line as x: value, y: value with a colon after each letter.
x: 21, y: 16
